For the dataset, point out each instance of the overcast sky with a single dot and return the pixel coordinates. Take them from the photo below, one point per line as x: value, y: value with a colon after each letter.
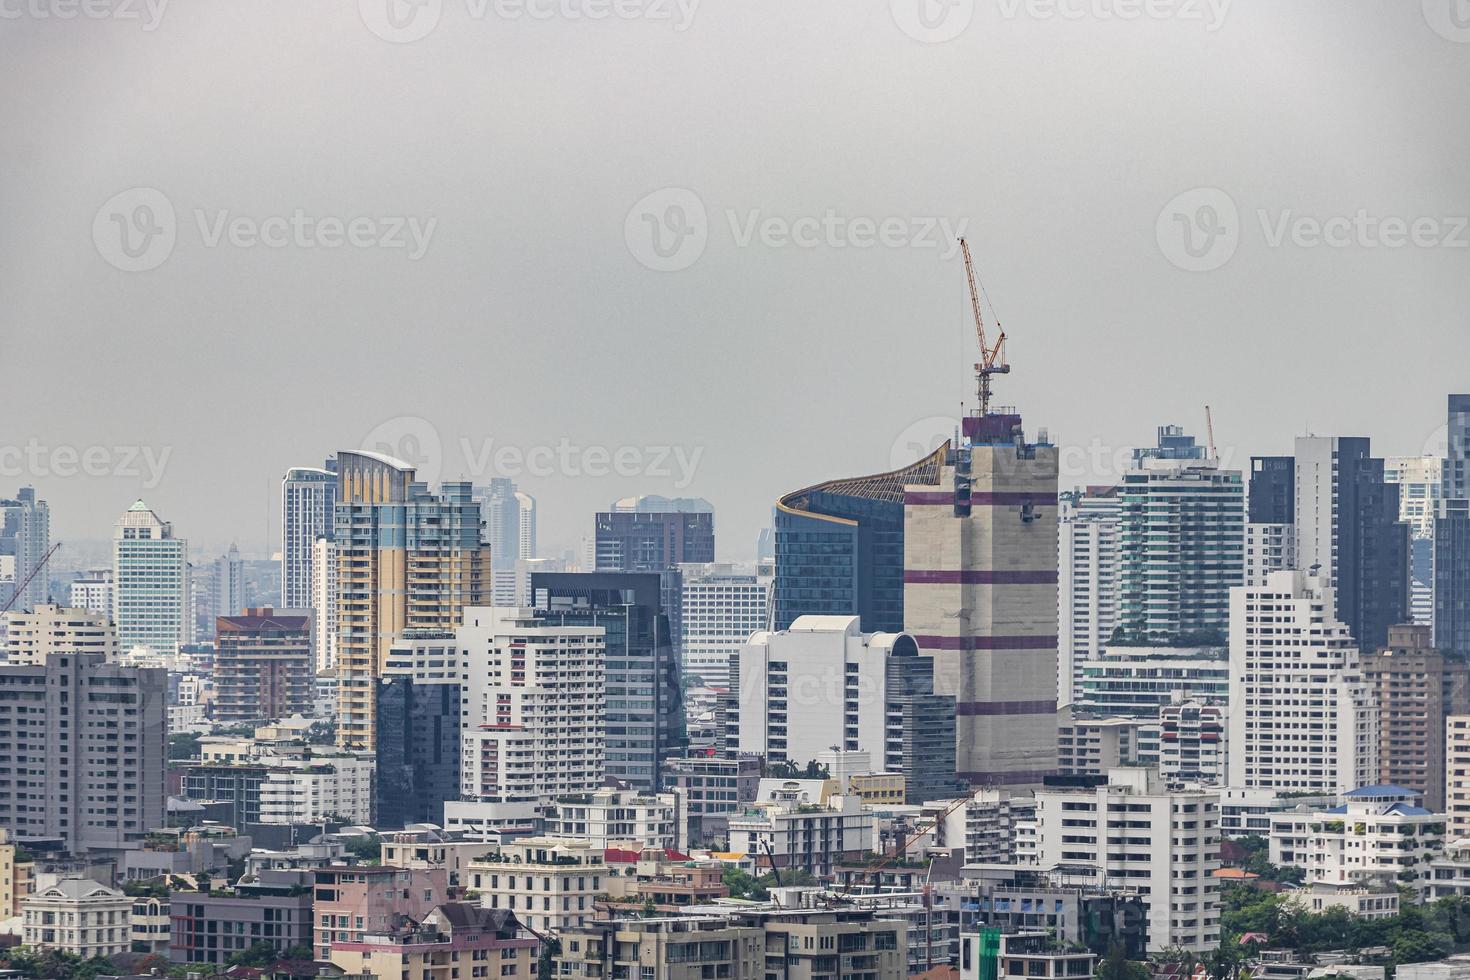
x: 706, y: 245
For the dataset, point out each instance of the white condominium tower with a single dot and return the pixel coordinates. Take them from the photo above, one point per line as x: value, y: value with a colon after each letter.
x: 533, y: 703
x: 308, y: 497
x: 1302, y: 719
x: 150, y: 583
x: 1090, y: 523
x: 722, y: 607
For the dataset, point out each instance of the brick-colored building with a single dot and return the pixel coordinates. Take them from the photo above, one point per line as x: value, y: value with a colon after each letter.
x: 351, y: 902
x: 263, y: 665
x: 455, y: 941
x: 1416, y: 689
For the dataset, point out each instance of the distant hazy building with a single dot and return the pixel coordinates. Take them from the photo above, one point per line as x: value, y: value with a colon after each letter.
x: 644, y: 691
x: 228, y: 583
x: 722, y: 607
x: 407, y: 559
x: 150, y: 581
x: 1182, y: 542
x: 980, y: 596
x: 262, y: 665
x: 1302, y: 716
x: 1415, y: 689
x: 25, y: 537
x: 33, y: 637
x: 87, y: 742
x: 93, y: 591
x: 1091, y: 523
x: 308, y: 500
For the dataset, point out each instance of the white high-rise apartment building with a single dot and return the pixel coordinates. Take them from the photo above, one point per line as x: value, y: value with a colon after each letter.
x: 1090, y: 523
x: 93, y: 591
x: 32, y: 637
x: 324, y: 604
x: 533, y: 706
x: 1138, y: 834
x: 308, y: 499
x: 722, y: 606
x: 1302, y: 719
x: 1457, y: 776
x: 150, y: 581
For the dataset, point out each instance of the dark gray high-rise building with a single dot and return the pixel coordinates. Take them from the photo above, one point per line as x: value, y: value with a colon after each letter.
x: 1271, y: 497
x: 1347, y: 525
x: 657, y: 534
x: 920, y: 735
x: 644, y: 719
x: 419, y: 729
x: 86, y: 745
x: 1452, y: 538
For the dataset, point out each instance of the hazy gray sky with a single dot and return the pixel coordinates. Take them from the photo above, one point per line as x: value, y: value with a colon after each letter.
x: 506, y: 287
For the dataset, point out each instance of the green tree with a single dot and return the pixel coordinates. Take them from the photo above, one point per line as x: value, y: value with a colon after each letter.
x: 1117, y: 966
x: 260, y: 954
x: 183, y: 745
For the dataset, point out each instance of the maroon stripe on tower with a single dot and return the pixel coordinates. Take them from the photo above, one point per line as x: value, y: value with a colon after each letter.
x: 1012, y: 499
x: 977, y: 577
x: 928, y: 497
x: 985, y: 642
x: 983, y: 708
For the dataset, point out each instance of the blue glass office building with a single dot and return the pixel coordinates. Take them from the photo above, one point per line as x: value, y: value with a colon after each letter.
x: 839, y: 547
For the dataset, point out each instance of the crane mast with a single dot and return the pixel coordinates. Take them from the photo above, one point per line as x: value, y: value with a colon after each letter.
x: 992, y: 359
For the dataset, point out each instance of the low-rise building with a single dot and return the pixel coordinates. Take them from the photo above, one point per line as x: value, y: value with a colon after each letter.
x: 149, y: 924
x: 658, y: 882
x: 814, y: 837
x: 16, y: 877
x: 351, y: 902
x: 549, y: 883
x: 1379, y: 902
x: 454, y: 941
x: 210, y: 926
x: 427, y: 848
x: 78, y: 916
x: 1032, y: 955
x: 713, y: 788
x: 1379, y: 833
x: 618, y: 818
x: 804, y: 943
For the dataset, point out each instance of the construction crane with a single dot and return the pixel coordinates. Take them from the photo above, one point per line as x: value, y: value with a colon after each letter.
x: 992, y: 359
x: 1210, y: 429
x: 27, y: 580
